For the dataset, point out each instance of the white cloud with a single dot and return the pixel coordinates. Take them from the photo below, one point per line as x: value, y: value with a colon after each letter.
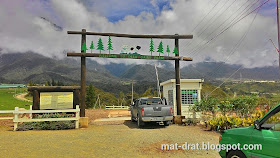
x: 22, y: 29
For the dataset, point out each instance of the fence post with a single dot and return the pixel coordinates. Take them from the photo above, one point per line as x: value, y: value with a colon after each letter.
x: 77, y: 116
x: 30, y: 114
x: 15, y: 118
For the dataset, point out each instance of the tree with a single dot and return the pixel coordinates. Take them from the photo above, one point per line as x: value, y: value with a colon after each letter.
x: 53, y: 83
x: 206, y: 105
x: 148, y: 93
x: 122, y: 98
x: 100, y: 45
x: 167, y: 50
x: 91, y: 46
x: 47, y: 84
x: 30, y: 83
x: 225, y: 106
x: 245, y: 105
x: 160, y: 48
x: 59, y: 83
x: 152, y: 46
x: 110, y: 47
x: 84, y: 47
x: 90, y: 97
x: 175, y: 51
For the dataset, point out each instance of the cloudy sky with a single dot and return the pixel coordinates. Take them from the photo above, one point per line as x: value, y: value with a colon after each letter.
x: 233, y: 31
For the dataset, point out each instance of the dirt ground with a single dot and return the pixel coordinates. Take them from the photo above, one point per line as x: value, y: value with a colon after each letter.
x: 121, y: 139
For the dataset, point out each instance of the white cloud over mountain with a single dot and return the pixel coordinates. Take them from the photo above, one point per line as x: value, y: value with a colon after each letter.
x: 22, y: 28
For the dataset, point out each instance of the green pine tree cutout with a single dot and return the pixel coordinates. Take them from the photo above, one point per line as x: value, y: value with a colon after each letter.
x: 160, y: 48
x: 167, y: 50
x: 152, y: 46
x: 100, y: 45
x: 84, y: 47
x: 175, y: 51
x: 110, y: 47
x: 91, y: 46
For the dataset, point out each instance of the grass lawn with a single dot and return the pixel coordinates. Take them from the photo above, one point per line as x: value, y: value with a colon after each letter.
x: 8, y: 102
x: 29, y: 97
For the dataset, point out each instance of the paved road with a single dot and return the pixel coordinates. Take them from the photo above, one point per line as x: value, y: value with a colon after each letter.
x: 123, y: 140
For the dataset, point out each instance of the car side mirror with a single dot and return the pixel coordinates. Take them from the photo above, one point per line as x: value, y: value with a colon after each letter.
x: 257, y: 124
x: 133, y: 104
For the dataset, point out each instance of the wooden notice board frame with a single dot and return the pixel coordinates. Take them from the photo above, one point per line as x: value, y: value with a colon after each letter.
x: 36, y: 90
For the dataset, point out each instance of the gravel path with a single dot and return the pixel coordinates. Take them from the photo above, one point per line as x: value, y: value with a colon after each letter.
x: 22, y: 97
x: 123, y: 140
x: 104, y: 139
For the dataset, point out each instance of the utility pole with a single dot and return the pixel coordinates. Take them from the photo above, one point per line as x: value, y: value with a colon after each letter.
x: 98, y: 100
x: 158, y: 86
x: 132, y: 92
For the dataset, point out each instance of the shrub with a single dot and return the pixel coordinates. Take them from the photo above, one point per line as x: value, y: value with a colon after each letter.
x: 225, y: 122
x: 49, y: 125
x: 245, y: 105
x: 225, y: 106
x: 190, y: 121
x: 206, y: 105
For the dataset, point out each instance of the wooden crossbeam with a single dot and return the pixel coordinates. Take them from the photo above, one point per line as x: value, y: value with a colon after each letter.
x: 54, y: 88
x: 133, y: 36
x: 6, y: 118
x: 129, y: 56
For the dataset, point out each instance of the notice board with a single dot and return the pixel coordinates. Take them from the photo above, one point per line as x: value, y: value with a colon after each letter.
x: 56, y: 100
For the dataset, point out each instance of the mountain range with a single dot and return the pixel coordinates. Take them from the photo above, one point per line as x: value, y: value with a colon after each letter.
x: 113, y: 77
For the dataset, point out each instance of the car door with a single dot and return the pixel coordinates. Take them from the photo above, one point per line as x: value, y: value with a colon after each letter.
x: 268, y: 136
x: 132, y: 106
x: 135, y: 108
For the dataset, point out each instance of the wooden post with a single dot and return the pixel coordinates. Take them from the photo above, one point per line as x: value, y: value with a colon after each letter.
x: 30, y: 114
x: 83, y: 76
x: 77, y: 117
x: 76, y: 100
x: 15, y: 119
x: 177, y: 76
x: 36, y: 100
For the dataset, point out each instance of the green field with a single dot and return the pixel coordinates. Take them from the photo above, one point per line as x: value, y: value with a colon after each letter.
x: 8, y: 102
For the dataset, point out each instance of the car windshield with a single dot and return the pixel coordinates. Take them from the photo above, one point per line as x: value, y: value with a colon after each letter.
x: 150, y: 101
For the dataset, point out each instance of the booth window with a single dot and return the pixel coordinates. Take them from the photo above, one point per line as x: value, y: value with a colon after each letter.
x: 189, y: 96
x: 170, y: 97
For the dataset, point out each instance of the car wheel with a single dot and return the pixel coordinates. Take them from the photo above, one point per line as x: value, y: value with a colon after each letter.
x: 236, y: 154
x: 140, y: 123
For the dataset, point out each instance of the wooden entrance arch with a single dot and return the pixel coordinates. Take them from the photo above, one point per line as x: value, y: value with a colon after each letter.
x: 83, y: 56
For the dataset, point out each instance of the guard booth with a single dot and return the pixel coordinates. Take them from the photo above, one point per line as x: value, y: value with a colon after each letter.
x: 190, y: 93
